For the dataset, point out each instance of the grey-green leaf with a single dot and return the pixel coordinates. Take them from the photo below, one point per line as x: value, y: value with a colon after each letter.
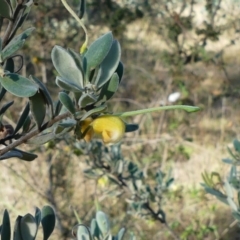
x: 22, y: 118
x: 38, y: 108
x: 66, y: 102
x: 66, y: 66
x: 18, y: 85
x: 41, y: 139
x: 86, y: 99
x: 48, y: 221
x: 121, y: 234
x: 103, y: 223
x: 28, y: 227
x: 6, y: 226
x: 83, y: 233
x: 16, y: 43
x: 98, y: 50
x: 109, y: 64
x: 109, y: 88
x: 66, y: 85
x: 5, y: 9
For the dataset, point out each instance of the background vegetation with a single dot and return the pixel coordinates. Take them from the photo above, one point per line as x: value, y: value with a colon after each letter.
x: 190, y: 47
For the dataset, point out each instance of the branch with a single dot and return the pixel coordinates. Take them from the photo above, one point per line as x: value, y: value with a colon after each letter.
x: 33, y: 133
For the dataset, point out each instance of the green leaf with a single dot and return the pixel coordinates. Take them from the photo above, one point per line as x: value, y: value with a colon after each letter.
x: 120, y: 71
x: 109, y: 65
x: 58, y: 108
x: 82, y: 8
x: 156, y: 109
x: 11, y: 154
x: 85, y: 100
x: 97, y: 51
x: 5, y: 9
x: 64, y: 84
x: 26, y: 125
x: 48, y: 221
x: 83, y: 233
x: 66, y: 102
x: 18, y: 85
x: 16, y: 43
x: 103, y: 223
x: 109, y: 88
x: 94, y: 111
x: 131, y: 127
x: 6, y: 226
x: 10, y: 65
x: 45, y: 93
x: 38, y: 108
x: 2, y: 93
x: 26, y: 156
x: 38, y: 216
x: 66, y: 66
x: 5, y: 107
x: 28, y: 227
x: 17, y: 231
x: 22, y: 118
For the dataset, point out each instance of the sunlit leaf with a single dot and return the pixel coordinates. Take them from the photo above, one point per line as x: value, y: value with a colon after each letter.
x: 28, y: 227
x: 66, y: 66
x: 18, y: 85
x: 86, y: 99
x: 16, y: 43
x: 98, y: 50
x: 109, y: 64
x: 102, y: 223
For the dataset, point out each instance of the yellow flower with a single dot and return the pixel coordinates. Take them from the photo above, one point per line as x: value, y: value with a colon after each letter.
x: 110, y: 128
